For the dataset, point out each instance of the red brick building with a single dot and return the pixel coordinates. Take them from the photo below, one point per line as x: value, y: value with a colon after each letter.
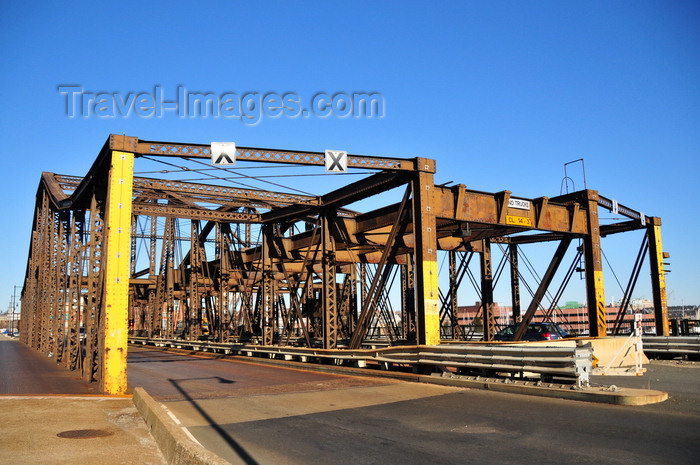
x: 573, y: 317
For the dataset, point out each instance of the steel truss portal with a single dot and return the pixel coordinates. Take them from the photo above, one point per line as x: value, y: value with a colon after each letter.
x: 112, y: 253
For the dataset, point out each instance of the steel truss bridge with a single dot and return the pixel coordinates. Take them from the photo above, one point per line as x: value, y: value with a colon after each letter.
x: 112, y: 253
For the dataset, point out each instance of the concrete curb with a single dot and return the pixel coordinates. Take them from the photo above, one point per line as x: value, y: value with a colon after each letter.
x: 177, y: 447
x: 621, y: 396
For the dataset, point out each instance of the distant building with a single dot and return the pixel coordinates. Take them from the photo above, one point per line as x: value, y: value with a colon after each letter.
x: 572, y: 316
x: 684, y: 312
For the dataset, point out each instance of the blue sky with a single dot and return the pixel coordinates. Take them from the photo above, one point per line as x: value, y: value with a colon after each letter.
x: 501, y: 94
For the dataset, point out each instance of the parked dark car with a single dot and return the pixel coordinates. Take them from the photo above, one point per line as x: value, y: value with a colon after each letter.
x: 535, y: 332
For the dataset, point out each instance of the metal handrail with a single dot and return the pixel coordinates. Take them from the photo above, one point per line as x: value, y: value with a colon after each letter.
x: 672, y: 345
x: 571, y: 362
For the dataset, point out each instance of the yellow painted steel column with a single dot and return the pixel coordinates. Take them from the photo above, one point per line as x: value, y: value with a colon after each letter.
x: 426, y: 272
x: 114, y: 325
x: 658, y: 276
x: 595, y: 286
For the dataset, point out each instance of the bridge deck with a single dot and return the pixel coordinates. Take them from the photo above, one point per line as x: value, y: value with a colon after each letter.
x: 169, y: 376
x: 26, y: 371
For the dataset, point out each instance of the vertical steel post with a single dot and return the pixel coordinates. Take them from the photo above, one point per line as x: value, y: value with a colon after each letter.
x: 75, y: 286
x: 514, y: 282
x: 154, y: 318
x: 329, y: 291
x: 426, y: 272
x: 352, y: 308
x: 408, y: 301
x: 95, y: 284
x: 487, y: 291
x: 54, y: 315
x: 133, y: 307
x: 167, y: 285
x: 114, y: 325
x: 224, y: 274
x: 658, y: 276
x: 194, y: 326
x: 452, y: 296
x: 595, y: 290
x: 63, y: 269
x: 49, y: 285
x: 267, y: 293
x: 43, y: 228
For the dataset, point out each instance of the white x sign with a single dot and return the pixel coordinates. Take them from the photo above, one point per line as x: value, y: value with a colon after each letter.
x: 336, y: 161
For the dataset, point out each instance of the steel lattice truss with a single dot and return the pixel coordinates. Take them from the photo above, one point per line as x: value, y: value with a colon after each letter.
x: 111, y: 252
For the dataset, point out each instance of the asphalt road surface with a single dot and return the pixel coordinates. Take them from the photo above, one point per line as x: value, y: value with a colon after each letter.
x: 257, y: 414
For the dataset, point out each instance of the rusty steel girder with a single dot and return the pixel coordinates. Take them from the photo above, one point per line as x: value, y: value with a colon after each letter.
x: 191, y: 260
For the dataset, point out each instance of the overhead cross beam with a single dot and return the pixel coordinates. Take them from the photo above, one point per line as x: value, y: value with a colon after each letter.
x: 373, y: 185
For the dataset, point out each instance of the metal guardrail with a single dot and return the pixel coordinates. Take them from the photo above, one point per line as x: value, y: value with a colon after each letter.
x: 672, y: 345
x: 569, y: 362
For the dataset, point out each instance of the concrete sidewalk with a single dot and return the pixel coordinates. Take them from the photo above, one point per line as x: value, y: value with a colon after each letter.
x: 70, y: 430
x: 49, y: 415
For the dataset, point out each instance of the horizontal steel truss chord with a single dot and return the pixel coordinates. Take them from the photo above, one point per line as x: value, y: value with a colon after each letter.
x: 256, y: 198
x: 148, y: 191
x: 274, y: 156
x: 199, y: 191
x: 172, y: 211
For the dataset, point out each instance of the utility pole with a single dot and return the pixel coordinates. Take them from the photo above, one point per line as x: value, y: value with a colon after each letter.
x: 14, y: 306
x: 11, y: 308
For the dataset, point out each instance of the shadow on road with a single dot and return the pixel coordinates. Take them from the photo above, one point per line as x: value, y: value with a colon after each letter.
x: 242, y: 453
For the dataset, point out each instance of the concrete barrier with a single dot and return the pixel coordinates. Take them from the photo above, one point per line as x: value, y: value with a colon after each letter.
x: 613, y: 351
x: 177, y: 447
